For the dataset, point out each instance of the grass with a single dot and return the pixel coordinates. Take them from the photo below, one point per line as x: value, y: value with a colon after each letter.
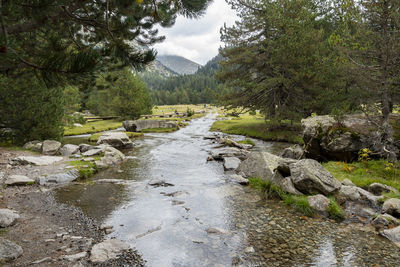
x: 159, y: 110
x: 300, y: 203
x: 93, y: 127
x: 86, y: 169
x: 95, y: 137
x: 364, y: 174
x: 247, y: 142
x: 255, y: 126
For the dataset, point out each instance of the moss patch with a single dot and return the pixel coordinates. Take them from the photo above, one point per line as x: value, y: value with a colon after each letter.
x: 247, y: 142
x: 86, y: 168
x: 93, y: 127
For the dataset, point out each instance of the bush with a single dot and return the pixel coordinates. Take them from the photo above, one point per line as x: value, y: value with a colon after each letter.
x: 31, y: 109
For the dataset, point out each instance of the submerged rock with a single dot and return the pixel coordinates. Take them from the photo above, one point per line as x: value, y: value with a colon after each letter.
x: 18, y: 180
x: 50, y: 147
x: 311, y: 177
x: 9, y: 250
x: 107, y: 250
x: 8, y: 217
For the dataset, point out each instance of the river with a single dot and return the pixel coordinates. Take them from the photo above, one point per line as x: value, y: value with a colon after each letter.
x: 205, y: 219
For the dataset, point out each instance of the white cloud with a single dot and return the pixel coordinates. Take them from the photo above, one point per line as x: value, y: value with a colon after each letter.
x: 197, y: 40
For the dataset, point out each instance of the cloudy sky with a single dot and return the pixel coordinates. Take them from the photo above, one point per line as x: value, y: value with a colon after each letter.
x: 197, y: 40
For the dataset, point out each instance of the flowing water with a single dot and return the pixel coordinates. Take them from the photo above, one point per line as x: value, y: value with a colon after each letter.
x: 204, y: 219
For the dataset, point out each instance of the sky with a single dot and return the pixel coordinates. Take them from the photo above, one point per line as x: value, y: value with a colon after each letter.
x: 197, y: 40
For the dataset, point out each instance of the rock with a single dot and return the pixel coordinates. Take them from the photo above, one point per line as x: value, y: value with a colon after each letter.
x: 349, y: 193
x: 384, y: 220
x: 111, y: 157
x: 287, y: 186
x: 158, y: 183
x: 77, y: 125
x: 8, y: 217
x: 85, y: 147
x: 231, y: 163
x: 217, y: 231
x: 318, y: 202
x: 110, y: 181
x: 221, y: 153
x: 293, y: 152
x: 115, y: 139
x: 18, y: 180
x: 311, y: 177
x: 326, y: 139
x: 60, y: 178
x: 239, y: 179
x: 378, y: 189
x: 93, y: 152
x: 2, y: 176
x: 37, y: 161
x: 347, y: 182
x: 69, y: 149
x: 107, y: 250
x: 33, y: 145
x: 392, y: 234
x: 41, y: 260
x: 392, y: 207
x: 249, y: 250
x: 75, y: 257
x: 9, y: 250
x: 139, y: 125
x: 50, y: 147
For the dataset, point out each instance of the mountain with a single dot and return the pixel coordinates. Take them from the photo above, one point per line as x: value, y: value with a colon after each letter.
x: 156, y: 68
x: 179, y: 64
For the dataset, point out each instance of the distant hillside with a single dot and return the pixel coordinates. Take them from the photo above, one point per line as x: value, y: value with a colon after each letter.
x: 156, y: 68
x: 179, y: 64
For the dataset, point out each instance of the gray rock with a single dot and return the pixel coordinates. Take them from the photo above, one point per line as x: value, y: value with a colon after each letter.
x: 50, y: 147
x: 287, y: 186
x: 115, y: 139
x: 384, y: 220
x: 77, y: 125
x: 231, y: 163
x: 139, y: 125
x: 239, y: 179
x: 9, y: 250
x: 60, y: 178
x: 107, y: 250
x: 8, y: 217
x: 33, y: 145
x: 378, y: 189
x: 392, y: 234
x: 217, y: 231
x: 111, y: 157
x: 2, y: 176
x: 158, y: 183
x: 37, y: 161
x: 18, y: 180
x: 392, y: 207
x: 311, y: 177
x: 318, y: 202
x: 349, y: 193
x: 93, y: 152
x: 85, y: 147
x: 347, y: 182
x: 75, y: 257
x: 293, y: 152
x: 221, y: 153
x: 69, y: 149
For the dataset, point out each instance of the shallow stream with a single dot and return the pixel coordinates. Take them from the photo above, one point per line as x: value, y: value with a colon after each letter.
x: 205, y: 219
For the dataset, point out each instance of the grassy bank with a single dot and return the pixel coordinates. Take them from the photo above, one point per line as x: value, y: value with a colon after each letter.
x: 159, y: 110
x: 255, y: 126
x: 93, y: 127
x: 363, y: 174
x: 300, y: 203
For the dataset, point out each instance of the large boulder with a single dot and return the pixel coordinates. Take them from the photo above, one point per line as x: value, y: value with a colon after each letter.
x: 326, y: 139
x: 68, y: 150
x: 310, y: 177
x: 8, y: 217
x: 18, y: 180
x: 392, y: 207
x: 107, y: 250
x: 50, y: 147
x: 60, y: 178
x: 111, y: 157
x: 139, y: 125
x: 9, y: 250
x: 115, y: 139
